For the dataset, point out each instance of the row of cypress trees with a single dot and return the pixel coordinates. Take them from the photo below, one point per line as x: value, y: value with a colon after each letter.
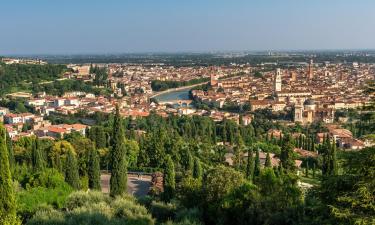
x: 7, y: 195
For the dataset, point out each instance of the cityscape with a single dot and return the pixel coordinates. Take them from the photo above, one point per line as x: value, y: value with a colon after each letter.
x: 104, y: 129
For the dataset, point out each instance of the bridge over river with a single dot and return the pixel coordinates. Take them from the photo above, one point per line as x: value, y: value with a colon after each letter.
x: 179, y: 102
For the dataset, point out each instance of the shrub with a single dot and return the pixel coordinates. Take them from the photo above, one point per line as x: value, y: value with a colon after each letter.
x: 84, y: 208
x: 81, y: 198
x: 30, y: 200
x: 163, y: 211
x: 48, y: 178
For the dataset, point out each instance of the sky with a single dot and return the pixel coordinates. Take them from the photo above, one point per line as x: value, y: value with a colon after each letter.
x: 139, y: 26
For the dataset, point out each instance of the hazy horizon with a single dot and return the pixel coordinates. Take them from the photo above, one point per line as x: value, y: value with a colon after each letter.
x: 42, y: 27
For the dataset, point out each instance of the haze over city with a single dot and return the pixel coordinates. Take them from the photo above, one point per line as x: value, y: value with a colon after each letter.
x: 114, y: 26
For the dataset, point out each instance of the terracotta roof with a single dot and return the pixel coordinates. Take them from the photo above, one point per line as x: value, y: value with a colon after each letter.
x: 56, y: 130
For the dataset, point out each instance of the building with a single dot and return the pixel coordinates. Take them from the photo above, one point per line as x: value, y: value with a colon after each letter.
x: 11, y: 118
x: 309, y: 112
x: 213, y: 80
x: 277, y: 81
x: 311, y: 70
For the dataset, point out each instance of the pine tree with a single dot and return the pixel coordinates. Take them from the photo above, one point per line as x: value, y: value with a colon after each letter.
x: 198, y: 171
x: 7, y: 195
x: 250, y: 165
x: 94, y: 169
x: 267, y: 163
x: 37, y: 156
x: 71, y: 170
x: 169, y: 179
x: 118, y: 182
x: 257, y: 164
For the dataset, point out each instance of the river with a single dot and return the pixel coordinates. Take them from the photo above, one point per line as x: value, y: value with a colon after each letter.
x: 174, y: 95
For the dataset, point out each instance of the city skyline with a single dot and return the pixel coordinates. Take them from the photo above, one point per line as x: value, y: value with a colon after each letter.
x: 113, y: 27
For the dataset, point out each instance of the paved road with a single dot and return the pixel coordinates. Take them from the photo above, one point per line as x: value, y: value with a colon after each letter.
x: 136, y: 186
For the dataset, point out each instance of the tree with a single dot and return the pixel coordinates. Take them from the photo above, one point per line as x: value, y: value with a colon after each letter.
x: 257, y: 164
x: 250, y: 165
x: 218, y: 183
x: 197, y: 171
x: 10, y: 153
x: 37, y: 156
x: 71, y: 170
x: 58, y: 153
x: 94, y: 169
x: 349, y: 197
x: 286, y: 156
x: 333, y: 159
x: 187, y: 160
x: 118, y: 182
x: 307, y: 169
x: 268, y: 161
x: 132, y: 150
x: 8, y: 199
x: 98, y: 135
x: 169, y: 179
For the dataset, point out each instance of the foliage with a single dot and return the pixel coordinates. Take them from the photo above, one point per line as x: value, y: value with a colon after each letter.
x: 169, y: 179
x: 37, y: 156
x: 163, y: 211
x: 350, y: 196
x: 287, y: 154
x: 93, y: 170
x: 198, y: 171
x: 94, y: 208
x: 8, y: 200
x: 118, y: 181
x: 71, y: 170
x: 15, y: 76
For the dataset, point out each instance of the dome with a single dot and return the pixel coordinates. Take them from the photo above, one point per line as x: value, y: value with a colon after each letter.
x: 309, y: 102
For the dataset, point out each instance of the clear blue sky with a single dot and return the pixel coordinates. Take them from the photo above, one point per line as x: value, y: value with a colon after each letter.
x: 120, y: 26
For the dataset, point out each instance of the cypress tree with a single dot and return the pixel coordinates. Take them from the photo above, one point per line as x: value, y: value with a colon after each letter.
x: 250, y: 165
x: 267, y: 163
x: 307, y: 169
x: 325, y: 150
x: 300, y: 140
x: 12, y: 160
x: 71, y: 170
x: 94, y: 169
x: 7, y: 195
x: 118, y: 182
x: 37, y: 156
x: 333, y: 159
x: 257, y: 164
x: 314, y: 169
x: 198, y: 171
x: 190, y: 163
x: 169, y: 179
x: 286, y: 156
